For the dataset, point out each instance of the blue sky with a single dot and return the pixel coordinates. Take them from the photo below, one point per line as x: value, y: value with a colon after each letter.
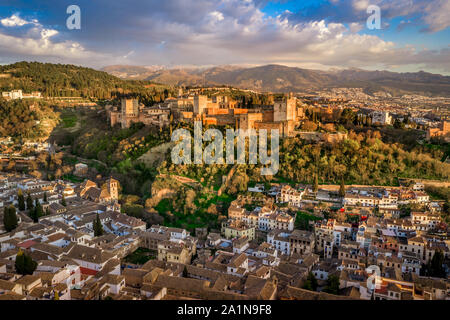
x: 319, y: 34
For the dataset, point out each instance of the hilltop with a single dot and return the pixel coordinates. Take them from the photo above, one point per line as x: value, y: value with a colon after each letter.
x: 278, y: 78
x: 29, y: 118
x: 131, y: 72
x: 64, y: 80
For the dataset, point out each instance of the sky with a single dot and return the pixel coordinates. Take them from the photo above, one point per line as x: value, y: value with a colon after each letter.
x: 414, y: 35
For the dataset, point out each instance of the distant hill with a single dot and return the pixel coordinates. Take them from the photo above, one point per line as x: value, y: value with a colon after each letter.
x: 131, y: 72
x: 56, y: 80
x: 271, y: 78
x: 277, y: 78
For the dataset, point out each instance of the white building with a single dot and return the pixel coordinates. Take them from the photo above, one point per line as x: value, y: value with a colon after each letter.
x: 18, y: 94
x: 290, y: 195
x: 280, y: 241
x: 381, y: 117
x: 14, y: 94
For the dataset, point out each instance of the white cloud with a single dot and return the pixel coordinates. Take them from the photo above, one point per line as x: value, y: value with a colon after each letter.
x: 43, y: 47
x: 36, y: 41
x: 128, y: 54
x: 260, y: 39
x: 14, y: 21
x: 48, y: 33
x: 355, y: 27
x: 437, y: 15
x: 217, y: 15
x: 361, y: 5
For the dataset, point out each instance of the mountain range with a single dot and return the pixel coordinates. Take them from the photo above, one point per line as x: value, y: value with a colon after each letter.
x: 278, y: 78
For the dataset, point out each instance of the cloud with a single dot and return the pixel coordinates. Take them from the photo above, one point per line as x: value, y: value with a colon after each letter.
x: 48, y: 33
x: 217, y: 32
x: 432, y: 13
x: 13, y: 21
x: 437, y: 15
x: 361, y: 5
x: 23, y: 38
x: 217, y: 15
x: 355, y: 27
x: 128, y: 54
x: 43, y: 48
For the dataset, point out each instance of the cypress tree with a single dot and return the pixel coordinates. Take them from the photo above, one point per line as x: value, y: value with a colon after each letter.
x: 308, y: 114
x: 435, y: 265
x: 316, y: 183
x: 24, y: 263
x: 6, y: 218
x: 342, y: 188
x: 10, y: 218
x: 21, y: 200
x: 45, y: 196
x: 312, y: 279
x: 29, y: 202
x: 63, y: 201
x: 332, y: 285
x: 33, y: 215
x: 38, y: 208
x: 97, y: 226
x: 94, y: 226
x: 310, y: 283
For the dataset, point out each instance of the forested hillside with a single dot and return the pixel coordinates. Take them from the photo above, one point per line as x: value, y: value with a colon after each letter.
x: 361, y: 159
x: 26, y: 118
x: 278, y: 78
x: 58, y: 80
x: 35, y: 118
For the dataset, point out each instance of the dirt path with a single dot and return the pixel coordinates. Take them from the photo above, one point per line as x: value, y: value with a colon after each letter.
x: 181, y: 179
x: 155, y: 155
x: 229, y: 176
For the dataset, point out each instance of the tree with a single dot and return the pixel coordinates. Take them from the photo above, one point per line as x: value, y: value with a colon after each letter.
x: 185, y: 272
x: 446, y: 207
x: 434, y: 267
x: 342, y: 188
x: 10, y: 218
x: 63, y: 201
x: 332, y: 285
x: 309, y: 126
x: 311, y: 282
x: 45, y: 197
x: 406, y: 120
x: 398, y: 124
x: 316, y: 183
x: 39, y: 212
x: 21, y: 200
x: 33, y: 215
x: 29, y: 202
x: 24, y: 263
x: 171, y: 123
x: 347, y: 116
x: 97, y: 226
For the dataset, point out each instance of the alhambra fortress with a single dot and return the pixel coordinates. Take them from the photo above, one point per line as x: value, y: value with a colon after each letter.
x: 285, y: 114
